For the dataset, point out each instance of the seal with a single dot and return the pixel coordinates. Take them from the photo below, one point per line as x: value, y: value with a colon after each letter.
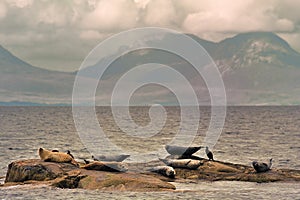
x: 68, y: 152
x: 60, y: 157
x: 183, y: 163
x: 262, y: 167
x: 182, y: 151
x: 164, y: 170
x: 209, y: 154
x: 106, y: 166
x: 111, y: 158
x: 184, y: 157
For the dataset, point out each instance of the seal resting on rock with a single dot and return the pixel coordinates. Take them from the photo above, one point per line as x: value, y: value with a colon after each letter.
x: 183, y: 163
x: 262, y: 167
x: 56, y: 156
x: 68, y: 152
x: 182, y: 151
x: 106, y: 166
x: 164, y: 170
x: 173, y: 157
x: 111, y: 158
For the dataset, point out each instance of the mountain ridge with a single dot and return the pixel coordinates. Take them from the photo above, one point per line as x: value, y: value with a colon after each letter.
x: 8, y: 57
x: 257, y: 68
x: 20, y: 81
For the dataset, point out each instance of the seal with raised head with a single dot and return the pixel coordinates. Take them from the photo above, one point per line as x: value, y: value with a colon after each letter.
x: 164, y: 170
x: 183, y: 163
x: 262, y: 167
x: 111, y: 158
x: 56, y: 156
x: 182, y: 151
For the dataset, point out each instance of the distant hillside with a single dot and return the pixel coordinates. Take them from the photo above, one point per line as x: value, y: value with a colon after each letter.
x: 20, y: 103
x: 20, y: 81
x: 258, y: 68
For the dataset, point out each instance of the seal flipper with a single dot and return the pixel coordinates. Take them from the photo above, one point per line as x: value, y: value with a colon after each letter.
x: 68, y: 152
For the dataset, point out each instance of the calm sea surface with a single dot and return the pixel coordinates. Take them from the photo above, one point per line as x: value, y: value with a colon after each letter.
x: 250, y: 133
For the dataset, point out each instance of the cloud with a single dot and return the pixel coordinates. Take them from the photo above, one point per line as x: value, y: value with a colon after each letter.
x: 160, y: 13
x: 56, y: 30
x: 91, y: 35
x: 141, y: 3
x: 2, y: 10
x: 111, y: 15
x: 238, y: 16
x: 54, y: 15
x: 288, y: 9
x: 20, y: 3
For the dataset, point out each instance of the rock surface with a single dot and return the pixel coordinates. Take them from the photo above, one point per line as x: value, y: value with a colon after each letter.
x: 65, y: 175
x: 222, y: 171
x: 33, y: 169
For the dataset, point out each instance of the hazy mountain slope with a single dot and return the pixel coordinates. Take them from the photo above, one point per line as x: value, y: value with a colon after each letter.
x: 19, y: 81
x: 257, y: 68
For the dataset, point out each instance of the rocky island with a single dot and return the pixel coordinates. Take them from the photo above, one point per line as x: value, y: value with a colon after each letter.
x: 67, y: 175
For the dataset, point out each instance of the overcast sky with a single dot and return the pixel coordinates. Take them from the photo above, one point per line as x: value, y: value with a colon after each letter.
x: 58, y: 34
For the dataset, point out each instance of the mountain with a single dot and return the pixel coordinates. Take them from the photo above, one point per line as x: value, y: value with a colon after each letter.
x: 254, y: 48
x: 20, y: 81
x: 257, y: 68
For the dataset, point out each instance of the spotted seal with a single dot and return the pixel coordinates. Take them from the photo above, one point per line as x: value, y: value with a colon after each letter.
x: 111, y: 158
x: 164, y: 170
x: 183, y: 163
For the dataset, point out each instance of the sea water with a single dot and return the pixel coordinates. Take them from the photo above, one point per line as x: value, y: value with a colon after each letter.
x: 249, y: 133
